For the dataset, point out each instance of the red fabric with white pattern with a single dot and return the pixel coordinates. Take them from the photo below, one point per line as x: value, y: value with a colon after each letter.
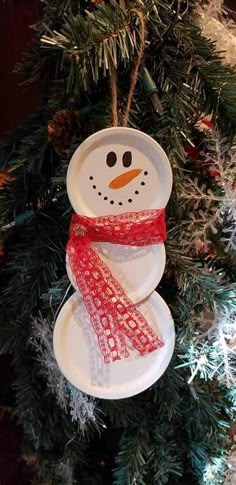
x: 112, y: 313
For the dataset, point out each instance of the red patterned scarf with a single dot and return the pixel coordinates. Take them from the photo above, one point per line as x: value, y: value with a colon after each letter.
x: 112, y: 313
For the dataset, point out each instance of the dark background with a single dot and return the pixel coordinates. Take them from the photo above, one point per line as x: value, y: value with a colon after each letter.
x: 15, y: 103
x: 15, y: 37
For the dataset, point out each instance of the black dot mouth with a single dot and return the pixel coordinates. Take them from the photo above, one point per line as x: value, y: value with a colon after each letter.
x: 111, y: 201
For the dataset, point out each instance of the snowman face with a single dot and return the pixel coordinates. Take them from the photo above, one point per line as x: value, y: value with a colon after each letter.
x: 116, y: 174
x: 118, y: 180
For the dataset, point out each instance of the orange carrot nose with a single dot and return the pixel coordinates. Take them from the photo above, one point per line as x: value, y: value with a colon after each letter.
x: 124, y: 178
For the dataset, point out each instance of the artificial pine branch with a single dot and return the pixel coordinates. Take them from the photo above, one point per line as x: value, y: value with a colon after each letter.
x: 97, y: 42
x: 180, y: 425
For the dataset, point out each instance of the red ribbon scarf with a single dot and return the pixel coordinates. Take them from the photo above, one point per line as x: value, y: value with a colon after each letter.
x: 112, y: 313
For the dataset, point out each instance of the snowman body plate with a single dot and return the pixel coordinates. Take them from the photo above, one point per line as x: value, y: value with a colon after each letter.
x: 139, y: 270
x: 120, y: 170
x: 81, y: 362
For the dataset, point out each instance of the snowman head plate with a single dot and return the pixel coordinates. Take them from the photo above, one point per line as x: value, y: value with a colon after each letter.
x: 118, y: 170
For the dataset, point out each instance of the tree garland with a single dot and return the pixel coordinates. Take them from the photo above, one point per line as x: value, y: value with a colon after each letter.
x: 216, y: 25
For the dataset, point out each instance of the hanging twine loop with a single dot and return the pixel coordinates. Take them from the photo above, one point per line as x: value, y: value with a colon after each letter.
x: 114, y: 108
x: 134, y: 76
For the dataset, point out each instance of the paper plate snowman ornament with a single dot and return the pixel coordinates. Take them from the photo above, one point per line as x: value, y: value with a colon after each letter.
x: 117, y: 171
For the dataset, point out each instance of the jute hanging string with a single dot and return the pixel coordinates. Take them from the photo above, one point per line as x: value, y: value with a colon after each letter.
x: 134, y: 76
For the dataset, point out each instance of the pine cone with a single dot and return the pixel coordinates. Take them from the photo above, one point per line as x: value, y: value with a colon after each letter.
x: 4, y: 177
x: 62, y: 129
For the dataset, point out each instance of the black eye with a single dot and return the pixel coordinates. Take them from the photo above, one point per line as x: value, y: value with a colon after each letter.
x: 127, y: 159
x: 111, y: 159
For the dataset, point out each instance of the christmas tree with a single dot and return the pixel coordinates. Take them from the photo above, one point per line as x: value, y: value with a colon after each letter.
x: 88, y: 56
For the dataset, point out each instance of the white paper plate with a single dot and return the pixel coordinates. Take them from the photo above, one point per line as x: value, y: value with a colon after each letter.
x: 139, y: 162
x: 138, y: 270
x: 79, y: 358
